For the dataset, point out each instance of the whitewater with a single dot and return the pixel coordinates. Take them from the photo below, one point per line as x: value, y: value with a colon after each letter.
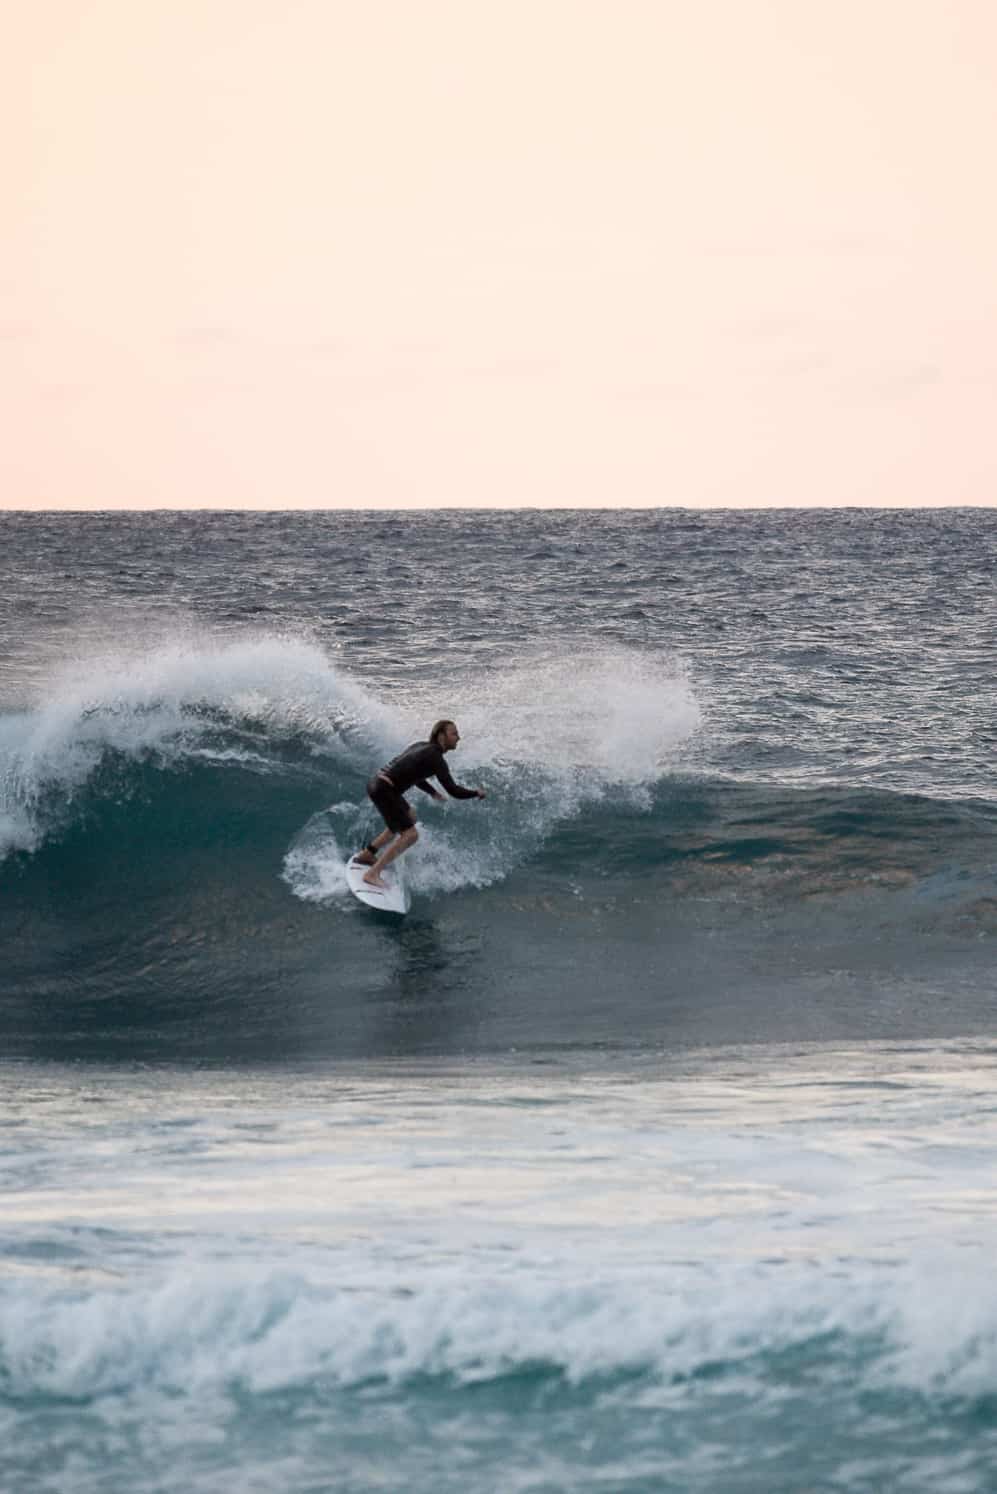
x: 652, y: 1151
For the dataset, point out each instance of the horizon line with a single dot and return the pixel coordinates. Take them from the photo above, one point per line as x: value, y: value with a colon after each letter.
x: 472, y: 508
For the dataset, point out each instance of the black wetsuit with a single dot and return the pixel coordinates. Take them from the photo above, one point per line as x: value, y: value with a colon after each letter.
x: 411, y: 769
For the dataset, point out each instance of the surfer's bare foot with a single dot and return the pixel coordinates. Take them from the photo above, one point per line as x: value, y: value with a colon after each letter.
x: 365, y: 858
x: 374, y: 879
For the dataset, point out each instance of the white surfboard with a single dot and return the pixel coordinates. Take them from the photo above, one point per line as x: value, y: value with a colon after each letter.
x: 393, y: 898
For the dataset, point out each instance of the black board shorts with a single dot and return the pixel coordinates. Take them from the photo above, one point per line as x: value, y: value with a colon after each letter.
x: 392, y: 806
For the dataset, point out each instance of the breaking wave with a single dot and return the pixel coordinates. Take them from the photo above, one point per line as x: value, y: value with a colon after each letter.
x: 176, y: 826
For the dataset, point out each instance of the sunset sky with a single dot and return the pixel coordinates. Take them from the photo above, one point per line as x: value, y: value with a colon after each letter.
x: 304, y: 253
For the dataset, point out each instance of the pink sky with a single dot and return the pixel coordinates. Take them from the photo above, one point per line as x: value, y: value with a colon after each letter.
x: 304, y: 253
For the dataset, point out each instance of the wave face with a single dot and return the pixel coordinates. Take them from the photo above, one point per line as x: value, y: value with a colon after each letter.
x: 176, y: 827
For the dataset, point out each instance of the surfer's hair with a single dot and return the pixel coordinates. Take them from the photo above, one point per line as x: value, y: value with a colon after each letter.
x: 440, y: 726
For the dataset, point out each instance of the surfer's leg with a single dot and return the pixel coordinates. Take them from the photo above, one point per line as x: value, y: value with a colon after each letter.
x: 394, y: 810
x: 369, y: 854
x: 407, y: 838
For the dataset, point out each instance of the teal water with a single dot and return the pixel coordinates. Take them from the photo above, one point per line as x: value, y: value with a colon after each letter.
x: 739, y: 770
x: 652, y: 1151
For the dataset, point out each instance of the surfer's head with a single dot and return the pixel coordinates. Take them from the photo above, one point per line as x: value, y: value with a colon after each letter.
x: 445, y: 735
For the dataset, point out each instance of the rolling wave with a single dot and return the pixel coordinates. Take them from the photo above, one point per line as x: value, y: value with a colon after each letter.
x: 286, y: 812
x: 176, y: 831
x: 193, y: 745
x: 266, y: 1330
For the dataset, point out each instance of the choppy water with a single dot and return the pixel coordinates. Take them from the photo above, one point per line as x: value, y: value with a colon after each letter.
x: 760, y: 1270
x: 653, y: 1150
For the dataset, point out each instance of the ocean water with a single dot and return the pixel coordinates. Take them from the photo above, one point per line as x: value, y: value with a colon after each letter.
x: 653, y: 1150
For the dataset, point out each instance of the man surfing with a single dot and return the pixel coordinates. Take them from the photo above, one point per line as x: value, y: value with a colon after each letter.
x: 386, y: 791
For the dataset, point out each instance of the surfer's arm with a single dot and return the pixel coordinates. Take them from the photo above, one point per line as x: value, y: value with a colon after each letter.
x: 455, y: 790
x: 427, y: 788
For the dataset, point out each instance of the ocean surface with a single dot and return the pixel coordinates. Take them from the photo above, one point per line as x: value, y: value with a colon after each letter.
x: 653, y: 1150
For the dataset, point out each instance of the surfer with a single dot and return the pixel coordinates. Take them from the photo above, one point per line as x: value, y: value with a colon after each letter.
x: 386, y: 791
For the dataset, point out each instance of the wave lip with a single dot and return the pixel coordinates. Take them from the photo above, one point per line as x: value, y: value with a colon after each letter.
x: 546, y: 744
x: 184, y: 702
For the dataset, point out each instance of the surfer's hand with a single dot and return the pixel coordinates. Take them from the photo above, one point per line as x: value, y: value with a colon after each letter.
x: 481, y: 793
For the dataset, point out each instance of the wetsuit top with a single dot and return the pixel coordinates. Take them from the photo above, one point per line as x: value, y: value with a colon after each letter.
x: 423, y: 760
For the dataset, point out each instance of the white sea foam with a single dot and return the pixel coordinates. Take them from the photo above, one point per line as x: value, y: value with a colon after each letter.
x: 604, y: 717
x: 781, y: 1254
x: 545, y: 738
x: 930, y: 1327
x: 168, y: 703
